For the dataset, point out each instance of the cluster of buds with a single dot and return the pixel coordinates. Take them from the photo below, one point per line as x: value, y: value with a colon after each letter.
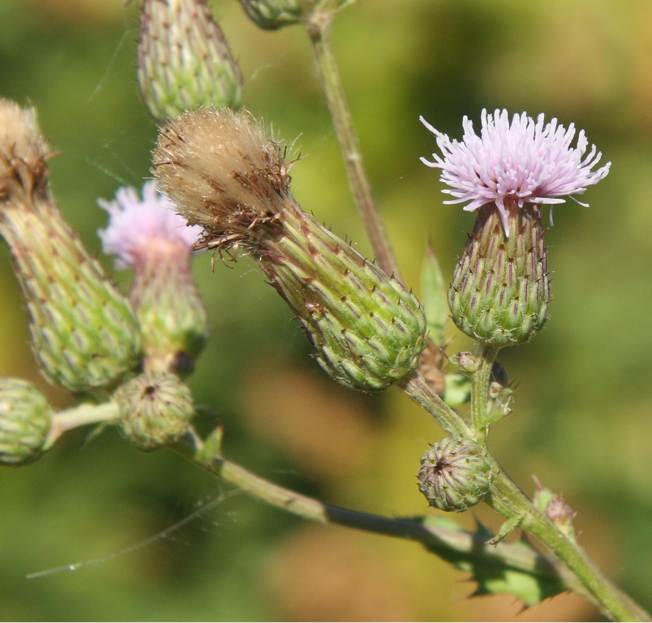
x: 184, y: 60
x: 227, y: 176
x: 84, y: 333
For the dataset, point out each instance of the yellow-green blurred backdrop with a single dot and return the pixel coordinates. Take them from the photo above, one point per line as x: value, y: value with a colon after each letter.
x: 583, y: 413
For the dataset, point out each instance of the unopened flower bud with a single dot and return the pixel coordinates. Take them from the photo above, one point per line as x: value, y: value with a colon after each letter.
x: 555, y: 508
x: 224, y: 174
x: 84, y: 332
x: 147, y: 236
x: 500, y: 290
x: 184, y: 60
x: 155, y: 409
x: 466, y: 362
x: 25, y: 421
x: 454, y: 474
x: 274, y: 14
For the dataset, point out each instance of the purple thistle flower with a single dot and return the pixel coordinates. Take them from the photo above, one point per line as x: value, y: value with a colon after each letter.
x: 137, y: 227
x: 517, y: 162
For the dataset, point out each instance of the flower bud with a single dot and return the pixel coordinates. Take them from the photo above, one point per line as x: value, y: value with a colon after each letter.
x: 84, y: 333
x: 500, y: 290
x: 224, y: 174
x: 25, y: 421
x: 555, y: 508
x: 454, y: 474
x: 184, y: 60
x: 147, y: 236
x: 274, y: 14
x: 155, y: 409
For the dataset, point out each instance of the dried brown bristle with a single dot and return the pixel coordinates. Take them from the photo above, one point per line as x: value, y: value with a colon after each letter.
x: 23, y: 152
x: 223, y: 172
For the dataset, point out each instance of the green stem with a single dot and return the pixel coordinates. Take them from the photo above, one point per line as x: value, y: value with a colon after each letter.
x: 424, y: 395
x: 318, y: 26
x: 508, y: 499
x: 480, y: 388
x: 81, y: 415
x: 454, y: 544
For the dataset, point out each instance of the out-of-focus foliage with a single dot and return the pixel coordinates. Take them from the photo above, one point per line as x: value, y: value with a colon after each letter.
x: 582, y: 418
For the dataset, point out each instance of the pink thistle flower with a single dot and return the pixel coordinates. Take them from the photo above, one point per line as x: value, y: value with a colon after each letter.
x: 139, y: 228
x: 514, y: 163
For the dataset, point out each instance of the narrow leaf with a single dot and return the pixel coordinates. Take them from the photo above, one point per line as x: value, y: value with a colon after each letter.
x: 433, y: 294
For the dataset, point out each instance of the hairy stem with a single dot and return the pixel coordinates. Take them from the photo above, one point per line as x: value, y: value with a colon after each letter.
x: 461, y: 547
x: 318, y: 26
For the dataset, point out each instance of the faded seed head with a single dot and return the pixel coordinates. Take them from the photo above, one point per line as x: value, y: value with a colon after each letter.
x: 223, y: 173
x: 23, y: 151
x: 226, y: 175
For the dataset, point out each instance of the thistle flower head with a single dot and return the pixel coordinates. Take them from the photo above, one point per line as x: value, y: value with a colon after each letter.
x: 224, y: 174
x: 141, y: 226
x: 84, y: 333
x: 147, y: 235
x: 515, y: 162
x: 23, y: 151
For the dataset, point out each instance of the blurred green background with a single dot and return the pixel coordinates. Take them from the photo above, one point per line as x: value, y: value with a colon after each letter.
x: 582, y: 421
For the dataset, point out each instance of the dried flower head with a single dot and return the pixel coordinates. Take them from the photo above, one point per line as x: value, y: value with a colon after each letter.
x: 84, y: 333
x: 224, y: 174
x: 139, y: 226
x: 228, y: 176
x: 23, y: 151
x: 515, y: 162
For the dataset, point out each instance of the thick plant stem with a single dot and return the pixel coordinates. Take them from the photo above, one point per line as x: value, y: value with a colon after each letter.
x: 456, y: 545
x: 318, y: 26
x: 425, y: 396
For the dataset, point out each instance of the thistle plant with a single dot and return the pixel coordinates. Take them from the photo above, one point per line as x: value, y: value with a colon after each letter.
x: 223, y: 186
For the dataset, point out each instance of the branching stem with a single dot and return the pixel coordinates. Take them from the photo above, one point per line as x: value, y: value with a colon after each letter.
x: 456, y: 545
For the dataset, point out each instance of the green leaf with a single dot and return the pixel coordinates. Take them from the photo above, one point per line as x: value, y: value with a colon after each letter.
x: 506, y: 568
x: 433, y: 295
x: 458, y: 390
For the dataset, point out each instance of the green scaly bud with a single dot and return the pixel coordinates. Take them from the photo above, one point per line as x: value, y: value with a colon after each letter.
x: 155, y: 409
x: 224, y: 174
x: 84, y: 333
x: 184, y: 60
x: 274, y: 14
x: 25, y: 422
x: 454, y: 474
x: 172, y: 315
x: 500, y: 290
